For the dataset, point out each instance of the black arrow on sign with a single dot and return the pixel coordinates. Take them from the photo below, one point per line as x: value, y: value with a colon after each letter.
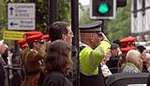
x: 11, y: 10
x: 11, y: 24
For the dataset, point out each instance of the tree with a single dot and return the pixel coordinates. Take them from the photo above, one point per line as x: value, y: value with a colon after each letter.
x: 3, y: 15
x: 120, y: 27
x: 42, y: 13
x: 84, y: 14
x: 64, y: 10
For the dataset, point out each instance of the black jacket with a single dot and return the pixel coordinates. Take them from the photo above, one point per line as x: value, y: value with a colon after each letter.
x: 148, y: 80
x: 56, y: 79
x: 95, y: 80
x: 2, y: 75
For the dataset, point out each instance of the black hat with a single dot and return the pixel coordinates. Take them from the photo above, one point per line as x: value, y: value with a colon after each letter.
x: 114, y: 46
x: 93, y: 27
x: 141, y: 48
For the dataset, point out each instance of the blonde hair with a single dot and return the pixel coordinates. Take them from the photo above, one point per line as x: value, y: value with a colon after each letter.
x: 134, y: 57
x: 132, y: 54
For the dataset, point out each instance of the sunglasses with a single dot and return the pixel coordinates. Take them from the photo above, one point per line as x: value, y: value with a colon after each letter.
x: 40, y: 41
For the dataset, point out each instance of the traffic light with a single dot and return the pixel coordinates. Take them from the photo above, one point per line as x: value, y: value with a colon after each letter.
x: 121, y: 3
x: 103, y: 9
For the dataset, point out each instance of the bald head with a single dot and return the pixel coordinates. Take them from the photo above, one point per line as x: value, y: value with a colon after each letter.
x: 134, y: 57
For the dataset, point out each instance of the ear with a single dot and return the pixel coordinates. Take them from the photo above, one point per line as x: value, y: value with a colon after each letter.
x: 63, y: 37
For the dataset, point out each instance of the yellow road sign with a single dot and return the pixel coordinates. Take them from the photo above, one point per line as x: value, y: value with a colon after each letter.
x: 13, y: 35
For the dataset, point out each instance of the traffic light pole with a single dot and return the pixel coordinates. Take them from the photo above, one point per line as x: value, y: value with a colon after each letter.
x: 103, y: 28
x: 52, y: 11
x: 75, y: 53
x: 102, y: 25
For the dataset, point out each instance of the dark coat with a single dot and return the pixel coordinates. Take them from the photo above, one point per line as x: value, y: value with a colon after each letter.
x: 2, y: 75
x: 148, y: 80
x: 113, y: 64
x: 95, y: 80
x: 56, y: 79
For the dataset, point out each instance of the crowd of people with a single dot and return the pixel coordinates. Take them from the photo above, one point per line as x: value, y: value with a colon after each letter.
x: 48, y: 62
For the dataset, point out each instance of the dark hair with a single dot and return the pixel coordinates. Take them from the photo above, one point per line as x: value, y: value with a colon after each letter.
x: 30, y: 60
x: 57, y: 29
x: 114, y: 46
x: 141, y: 48
x: 58, y: 57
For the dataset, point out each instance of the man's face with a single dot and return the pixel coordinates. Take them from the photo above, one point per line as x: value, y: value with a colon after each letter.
x: 68, y: 37
x: 96, y: 39
x: 90, y: 38
x: 114, y: 52
x: 2, y: 48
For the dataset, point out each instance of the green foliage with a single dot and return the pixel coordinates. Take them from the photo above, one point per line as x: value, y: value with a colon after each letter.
x: 84, y: 17
x: 41, y: 15
x: 119, y: 27
x: 3, y: 15
x: 64, y: 10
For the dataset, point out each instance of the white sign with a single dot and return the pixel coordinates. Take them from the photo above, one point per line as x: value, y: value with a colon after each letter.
x: 21, y: 16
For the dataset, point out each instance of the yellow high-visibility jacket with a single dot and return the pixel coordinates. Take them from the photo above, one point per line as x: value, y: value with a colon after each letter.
x: 90, y: 59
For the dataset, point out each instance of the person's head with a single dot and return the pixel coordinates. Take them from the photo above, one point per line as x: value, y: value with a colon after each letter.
x: 90, y: 38
x: 3, y: 47
x: 58, y: 57
x: 38, y: 45
x: 90, y: 34
x: 147, y: 61
x: 35, y: 42
x: 141, y: 48
x: 61, y: 30
x: 4, y: 50
x: 134, y: 57
x: 115, y: 50
x: 32, y: 60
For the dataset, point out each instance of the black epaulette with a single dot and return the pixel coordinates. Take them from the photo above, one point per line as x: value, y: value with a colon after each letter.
x: 82, y: 47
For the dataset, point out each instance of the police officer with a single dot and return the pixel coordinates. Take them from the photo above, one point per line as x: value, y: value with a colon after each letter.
x: 93, y: 48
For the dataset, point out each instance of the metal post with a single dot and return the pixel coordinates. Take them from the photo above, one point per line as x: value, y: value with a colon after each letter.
x: 135, y: 8
x: 102, y: 26
x: 52, y: 11
x: 143, y: 7
x: 75, y: 24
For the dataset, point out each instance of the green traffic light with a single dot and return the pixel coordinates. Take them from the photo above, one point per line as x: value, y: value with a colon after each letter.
x: 103, y: 8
